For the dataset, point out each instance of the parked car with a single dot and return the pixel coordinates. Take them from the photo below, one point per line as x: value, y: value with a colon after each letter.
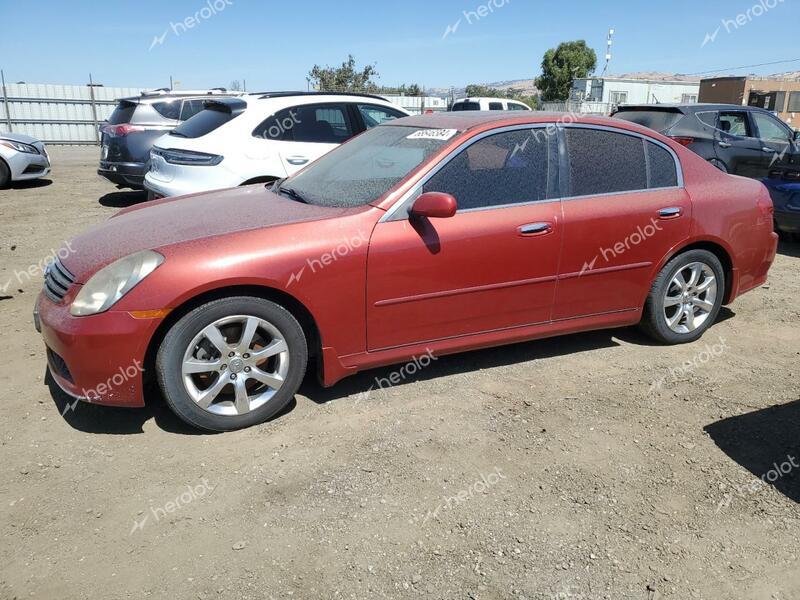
x: 259, y: 138
x: 786, y: 199
x: 741, y: 140
x: 128, y: 135
x: 22, y: 157
x: 424, y: 236
x: 488, y: 104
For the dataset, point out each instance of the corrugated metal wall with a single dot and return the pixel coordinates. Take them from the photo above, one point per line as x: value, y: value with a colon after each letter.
x: 58, y: 114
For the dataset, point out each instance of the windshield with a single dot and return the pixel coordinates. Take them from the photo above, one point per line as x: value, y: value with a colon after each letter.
x: 660, y: 120
x: 368, y: 166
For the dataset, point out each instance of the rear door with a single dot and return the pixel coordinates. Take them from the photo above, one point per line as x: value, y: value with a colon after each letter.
x: 303, y: 133
x: 491, y: 266
x: 625, y: 208
x: 738, y: 145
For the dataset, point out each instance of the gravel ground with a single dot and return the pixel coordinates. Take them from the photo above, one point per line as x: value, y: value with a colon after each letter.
x: 584, y: 467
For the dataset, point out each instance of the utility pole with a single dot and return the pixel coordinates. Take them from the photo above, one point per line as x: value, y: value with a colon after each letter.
x: 94, y: 111
x: 5, y: 100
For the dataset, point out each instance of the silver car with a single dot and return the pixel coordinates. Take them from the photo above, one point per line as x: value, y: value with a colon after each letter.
x: 21, y: 157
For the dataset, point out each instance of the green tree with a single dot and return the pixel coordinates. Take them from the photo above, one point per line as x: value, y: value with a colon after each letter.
x: 562, y: 65
x: 346, y: 78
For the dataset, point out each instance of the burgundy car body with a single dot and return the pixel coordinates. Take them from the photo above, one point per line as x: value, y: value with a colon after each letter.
x: 378, y: 291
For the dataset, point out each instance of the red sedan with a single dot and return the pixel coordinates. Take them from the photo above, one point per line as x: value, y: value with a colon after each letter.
x: 423, y: 236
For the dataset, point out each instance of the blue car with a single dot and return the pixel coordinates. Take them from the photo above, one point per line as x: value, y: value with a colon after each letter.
x: 786, y: 198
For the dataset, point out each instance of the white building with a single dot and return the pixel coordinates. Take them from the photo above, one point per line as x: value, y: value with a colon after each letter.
x: 617, y: 90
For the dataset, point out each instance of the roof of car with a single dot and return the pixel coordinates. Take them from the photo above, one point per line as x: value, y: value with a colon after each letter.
x: 693, y: 107
x: 470, y: 119
x: 290, y: 94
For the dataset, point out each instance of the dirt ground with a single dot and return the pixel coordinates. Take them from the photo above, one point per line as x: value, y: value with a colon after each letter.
x: 594, y: 466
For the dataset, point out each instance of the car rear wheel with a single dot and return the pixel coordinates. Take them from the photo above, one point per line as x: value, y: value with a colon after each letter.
x: 685, y: 298
x: 719, y: 164
x: 232, y: 363
x: 5, y: 174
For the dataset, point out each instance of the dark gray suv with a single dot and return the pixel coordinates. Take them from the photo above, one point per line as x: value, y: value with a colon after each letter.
x: 741, y: 140
x: 129, y: 133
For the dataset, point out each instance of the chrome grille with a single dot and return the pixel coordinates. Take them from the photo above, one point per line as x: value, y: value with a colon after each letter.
x: 57, y: 281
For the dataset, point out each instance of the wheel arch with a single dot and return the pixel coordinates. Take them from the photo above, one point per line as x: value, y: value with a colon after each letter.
x: 717, y: 249
x: 298, y: 310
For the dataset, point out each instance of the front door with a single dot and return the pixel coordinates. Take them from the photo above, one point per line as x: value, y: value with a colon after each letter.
x: 491, y: 266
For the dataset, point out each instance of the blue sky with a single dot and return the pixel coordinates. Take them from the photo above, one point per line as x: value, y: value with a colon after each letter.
x: 273, y: 45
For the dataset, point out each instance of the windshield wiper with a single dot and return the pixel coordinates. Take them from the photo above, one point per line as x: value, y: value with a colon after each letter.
x: 293, y: 194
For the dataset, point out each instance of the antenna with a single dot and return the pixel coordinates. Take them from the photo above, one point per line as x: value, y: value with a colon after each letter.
x: 608, y: 50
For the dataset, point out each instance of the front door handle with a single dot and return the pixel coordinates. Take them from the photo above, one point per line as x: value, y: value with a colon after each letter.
x: 670, y: 213
x: 724, y: 145
x: 534, y: 229
x: 771, y: 150
x: 296, y: 160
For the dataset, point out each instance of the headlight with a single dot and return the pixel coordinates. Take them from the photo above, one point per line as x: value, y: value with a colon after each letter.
x: 19, y: 146
x: 188, y: 157
x: 112, y: 282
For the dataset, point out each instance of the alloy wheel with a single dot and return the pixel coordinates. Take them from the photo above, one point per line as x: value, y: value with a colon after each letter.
x: 690, y: 297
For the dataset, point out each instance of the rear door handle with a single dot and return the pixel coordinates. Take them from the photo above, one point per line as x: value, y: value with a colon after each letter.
x: 534, y: 229
x: 724, y: 145
x: 765, y: 149
x: 670, y: 213
x: 296, y: 160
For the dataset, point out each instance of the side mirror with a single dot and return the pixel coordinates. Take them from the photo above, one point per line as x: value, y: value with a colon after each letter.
x: 434, y: 205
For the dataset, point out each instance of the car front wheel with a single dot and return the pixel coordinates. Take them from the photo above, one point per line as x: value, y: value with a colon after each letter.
x: 685, y: 298
x: 232, y: 363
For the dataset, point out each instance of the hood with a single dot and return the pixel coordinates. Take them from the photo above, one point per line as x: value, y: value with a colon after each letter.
x: 169, y: 221
x: 18, y: 137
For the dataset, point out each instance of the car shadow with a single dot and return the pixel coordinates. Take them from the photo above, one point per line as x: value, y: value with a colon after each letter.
x: 788, y: 248
x: 763, y: 442
x: 123, y: 199
x: 29, y: 184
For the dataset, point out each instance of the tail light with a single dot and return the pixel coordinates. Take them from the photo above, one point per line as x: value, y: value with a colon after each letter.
x: 683, y: 141
x: 764, y: 204
x: 121, y: 130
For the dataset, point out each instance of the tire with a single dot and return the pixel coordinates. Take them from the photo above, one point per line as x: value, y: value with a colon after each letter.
x: 719, y: 164
x: 223, y: 385
x: 5, y: 174
x: 659, y: 311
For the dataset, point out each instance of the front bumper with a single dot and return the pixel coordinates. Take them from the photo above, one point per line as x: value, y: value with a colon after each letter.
x: 99, y: 358
x: 124, y: 174
x: 24, y: 166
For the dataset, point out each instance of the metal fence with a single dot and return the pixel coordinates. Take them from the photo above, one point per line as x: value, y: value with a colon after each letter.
x: 58, y: 114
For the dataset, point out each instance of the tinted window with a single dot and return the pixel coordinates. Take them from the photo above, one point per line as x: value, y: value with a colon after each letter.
x: 496, y: 106
x: 708, y: 118
x: 169, y: 110
x: 794, y: 102
x: 278, y: 126
x: 660, y: 120
x: 735, y: 123
x: 661, y: 167
x: 506, y: 168
x: 466, y: 106
x: 771, y: 129
x: 123, y: 113
x: 373, y: 114
x: 515, y: 106
x: 204, y: 122
x: 190, y: 108
x: 604, y: 162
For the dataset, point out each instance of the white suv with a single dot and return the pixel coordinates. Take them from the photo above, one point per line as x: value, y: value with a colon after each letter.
x: 488, y: 104
x: 258, y: 138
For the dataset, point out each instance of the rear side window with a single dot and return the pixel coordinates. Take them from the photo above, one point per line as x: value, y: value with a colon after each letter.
x: 168, y: 110
x: 605, y: 162
x: 123, y: 113
x: 661, y: 169
x: 190, y: 108
x: 466, y: 106
x: 708, y: 118
x: 204, y: 122
x: 514, y: 106
x: 502, y: 169
x: 659, y: 120
x: 316, y: 123
x: 496, y: 106
x: 735, y: 123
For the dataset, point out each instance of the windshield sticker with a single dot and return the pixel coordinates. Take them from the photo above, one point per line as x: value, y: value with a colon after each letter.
x: 433, y: 134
